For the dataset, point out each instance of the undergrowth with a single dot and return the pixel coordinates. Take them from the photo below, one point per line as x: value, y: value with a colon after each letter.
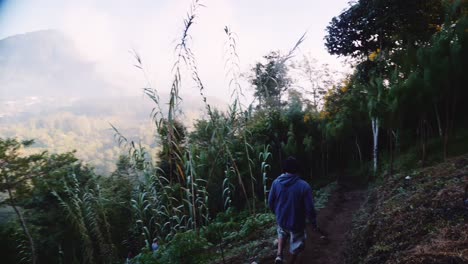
x: 232, y: 237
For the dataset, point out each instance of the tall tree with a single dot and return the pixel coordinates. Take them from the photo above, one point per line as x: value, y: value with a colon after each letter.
x: 443, y: 65
x: 16, y: 172
x: 368, y: 25
x: 374, y: 32
x: 270, y: 80
x: 315, y: 79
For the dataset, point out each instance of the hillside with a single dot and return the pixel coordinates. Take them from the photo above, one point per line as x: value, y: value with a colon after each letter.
x: 416, y: 216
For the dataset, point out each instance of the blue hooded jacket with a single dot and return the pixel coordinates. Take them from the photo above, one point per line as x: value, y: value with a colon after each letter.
x: 292, y: 202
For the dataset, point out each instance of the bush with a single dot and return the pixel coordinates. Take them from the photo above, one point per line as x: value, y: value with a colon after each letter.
x: 252, y: 224
x: 8, y: 233
x: 321, y: 195
x: 185, y: 248
x: 218, y: 232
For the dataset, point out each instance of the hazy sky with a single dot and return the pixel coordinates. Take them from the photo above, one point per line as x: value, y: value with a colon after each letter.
x: 105, y: 30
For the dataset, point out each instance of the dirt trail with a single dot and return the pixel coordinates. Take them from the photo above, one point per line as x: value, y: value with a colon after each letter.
x: 335, y: 219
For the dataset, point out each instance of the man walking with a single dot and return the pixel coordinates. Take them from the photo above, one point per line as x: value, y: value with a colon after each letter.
x: 292, y: 202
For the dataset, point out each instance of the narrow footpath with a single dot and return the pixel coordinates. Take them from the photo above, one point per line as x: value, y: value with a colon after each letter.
x: 335, y: 220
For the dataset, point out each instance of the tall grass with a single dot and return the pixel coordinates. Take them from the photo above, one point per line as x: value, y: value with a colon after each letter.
x: 84, y: 209
x: 176, y: 199
x: 264, y: 156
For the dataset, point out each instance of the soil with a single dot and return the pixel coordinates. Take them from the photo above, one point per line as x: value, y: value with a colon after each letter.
x: 335, y: 220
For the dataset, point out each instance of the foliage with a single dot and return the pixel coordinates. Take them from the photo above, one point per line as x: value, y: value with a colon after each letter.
x: 398, y: 80
x: 68, y: 129
x: 52, y: 183
x: 185, y: 248
x: 321, y: 195
x: 10, y: 246
x: 314, y: 79
x: 270, y: 80
x: 368, y: 25
x: 84, y: 208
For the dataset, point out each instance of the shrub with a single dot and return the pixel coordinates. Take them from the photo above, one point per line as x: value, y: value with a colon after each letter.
x: 253, y: 223
x: 185, y: 248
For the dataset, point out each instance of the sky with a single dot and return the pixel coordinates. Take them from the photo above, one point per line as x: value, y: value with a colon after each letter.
x: 104, y: 31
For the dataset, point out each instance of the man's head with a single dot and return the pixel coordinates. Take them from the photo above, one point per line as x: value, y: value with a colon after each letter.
x: 290, y: 165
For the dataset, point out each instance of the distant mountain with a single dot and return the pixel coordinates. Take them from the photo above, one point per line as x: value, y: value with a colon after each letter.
x: 49, y: 93
x: 46, y: 63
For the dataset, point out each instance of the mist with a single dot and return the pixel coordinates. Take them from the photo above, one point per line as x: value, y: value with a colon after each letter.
x: 65, y: 61
x: 104, y: 33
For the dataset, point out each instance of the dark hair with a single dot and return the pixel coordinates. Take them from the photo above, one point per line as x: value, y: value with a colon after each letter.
x: 290, y: 165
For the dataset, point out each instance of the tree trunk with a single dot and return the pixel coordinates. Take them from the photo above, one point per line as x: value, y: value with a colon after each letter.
x: 423, y: 136
x: 322, y: 160
x: 359, y: 150
x: 450, y: 122
x: 23, y: 226
x: 375, y: 133
x: 194, y: 207
x: 439, y: 125
x: 280, y: 156
x: 446, y: 131
x: 391, y: 149
x: 327, y: 159
x: 397, y: 142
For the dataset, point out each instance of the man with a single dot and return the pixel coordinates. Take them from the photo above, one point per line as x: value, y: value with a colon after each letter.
x: 292, y: 202
x: 155, y: 246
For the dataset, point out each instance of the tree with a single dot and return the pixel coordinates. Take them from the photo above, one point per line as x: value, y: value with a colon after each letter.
x: 370, y: 75
x: 345, y: 114
x: 317, y: 78
x: 16, y: 172
x: 377, y: 32
x: 390, y: 25
x: 172, y: 150
x: 443, y: 66
x: 270, y: 80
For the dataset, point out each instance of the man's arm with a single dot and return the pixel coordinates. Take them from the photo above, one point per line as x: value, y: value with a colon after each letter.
x: 272, y: 197
x: 311, y: 215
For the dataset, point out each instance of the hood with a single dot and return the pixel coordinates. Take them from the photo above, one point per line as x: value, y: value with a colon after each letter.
x: 287, y: 179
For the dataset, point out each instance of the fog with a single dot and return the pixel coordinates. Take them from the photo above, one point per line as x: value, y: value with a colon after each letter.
x: 101, y: 34
x: 67, y: 67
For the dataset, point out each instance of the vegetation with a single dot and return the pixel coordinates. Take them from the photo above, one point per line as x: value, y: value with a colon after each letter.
x: 204, y: 191
x: 83, y: 125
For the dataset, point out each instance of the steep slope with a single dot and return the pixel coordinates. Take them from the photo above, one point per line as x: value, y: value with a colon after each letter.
x: 415, y: 217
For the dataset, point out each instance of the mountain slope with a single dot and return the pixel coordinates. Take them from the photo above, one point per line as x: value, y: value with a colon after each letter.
x: 48, y: 92
x: 46, y: 63
x: 416, y: 216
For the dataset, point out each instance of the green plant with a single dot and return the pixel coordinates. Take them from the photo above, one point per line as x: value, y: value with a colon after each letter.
x: 185, y: 248
x: 253, y: 223
x: 264, y: 167
x: 83, y: 206
x: 321, y: 195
